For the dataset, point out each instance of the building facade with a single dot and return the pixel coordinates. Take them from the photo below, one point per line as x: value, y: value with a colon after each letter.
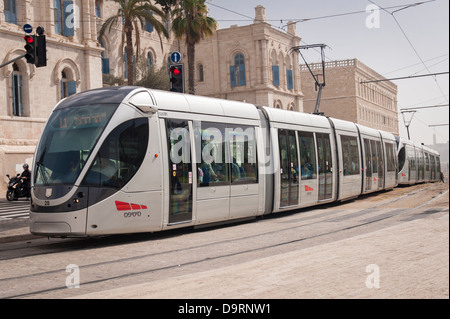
x: 252, y: 63
x: 28, y: 94
x: 346, y: 97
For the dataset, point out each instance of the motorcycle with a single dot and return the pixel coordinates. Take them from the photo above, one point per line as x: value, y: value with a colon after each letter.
x: 16, y: 188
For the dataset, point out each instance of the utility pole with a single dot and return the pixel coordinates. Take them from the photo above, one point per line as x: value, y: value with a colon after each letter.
x: 319, y: 84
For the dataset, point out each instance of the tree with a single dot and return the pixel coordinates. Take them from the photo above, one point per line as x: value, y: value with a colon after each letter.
x: 191, y: 21
x: 167, y: 5
x: 132, y: 14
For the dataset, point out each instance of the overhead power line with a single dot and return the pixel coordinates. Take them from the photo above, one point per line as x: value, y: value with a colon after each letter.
x: 404, y: 77
x: 335, y: 15
x: 423, y: 107
x: 407, y: 38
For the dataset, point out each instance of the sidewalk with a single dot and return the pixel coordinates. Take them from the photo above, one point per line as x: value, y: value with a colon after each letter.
x: 16, y: 234
x: 410, y: 260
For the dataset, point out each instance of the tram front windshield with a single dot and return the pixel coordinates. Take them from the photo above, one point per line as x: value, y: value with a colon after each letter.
x: 67, y: 141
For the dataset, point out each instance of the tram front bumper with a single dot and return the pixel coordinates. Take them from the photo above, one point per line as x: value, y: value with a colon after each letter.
x: 70, y: 224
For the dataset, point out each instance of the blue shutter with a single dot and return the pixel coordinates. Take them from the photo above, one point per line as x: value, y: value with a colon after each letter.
x: 98, y: 11
x: 232, y: 76
x: 105, y: 65
x: 71, y: 87
x: 17, y: 95
x: 290, y: 80
x: 69, y: 19
x: 10, y: 11
x: 58, y: 19
x: 148, y: 25
x: 242, y: 80
x: 276, y: 75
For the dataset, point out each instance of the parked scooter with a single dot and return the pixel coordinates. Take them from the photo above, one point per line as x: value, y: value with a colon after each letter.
x: 16, y: 188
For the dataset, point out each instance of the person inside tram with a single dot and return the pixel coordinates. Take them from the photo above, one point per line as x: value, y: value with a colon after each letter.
x: 105, y: 166
x: 307, y: 171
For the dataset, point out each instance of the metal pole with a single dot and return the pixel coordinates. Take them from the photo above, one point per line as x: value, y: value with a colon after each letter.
x: 11, y: 61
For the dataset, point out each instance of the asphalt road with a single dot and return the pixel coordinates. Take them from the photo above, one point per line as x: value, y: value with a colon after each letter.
x: 389, y: 245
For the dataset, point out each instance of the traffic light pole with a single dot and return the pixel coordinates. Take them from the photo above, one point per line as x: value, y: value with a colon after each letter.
x: 12, y: 61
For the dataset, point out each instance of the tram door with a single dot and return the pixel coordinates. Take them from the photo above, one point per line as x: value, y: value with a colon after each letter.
x: 325, y: 166
x: 368, y: 165
x: 381, y: 165
x: 288, y: 168
x: 180, y: 171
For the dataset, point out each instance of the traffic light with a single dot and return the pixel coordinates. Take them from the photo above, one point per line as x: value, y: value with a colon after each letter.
x: 30, y: 48
x: 41, y: 48
x: 177, y: 78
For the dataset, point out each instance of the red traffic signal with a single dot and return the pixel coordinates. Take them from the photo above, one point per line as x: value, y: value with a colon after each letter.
x: 174, y: 70
x: 29, y: 39
x: 177, y: 78
x: 30, y: 48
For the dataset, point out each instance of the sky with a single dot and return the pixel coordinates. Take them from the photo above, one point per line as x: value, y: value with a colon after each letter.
x: 414, y: 40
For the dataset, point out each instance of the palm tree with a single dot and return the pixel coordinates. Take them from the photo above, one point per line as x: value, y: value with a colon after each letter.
x: 130, y: 13
x: 191, y: 21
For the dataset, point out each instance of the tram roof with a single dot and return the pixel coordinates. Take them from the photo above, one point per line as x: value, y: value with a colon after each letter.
x: 296, y: 118
x: 203, y: 105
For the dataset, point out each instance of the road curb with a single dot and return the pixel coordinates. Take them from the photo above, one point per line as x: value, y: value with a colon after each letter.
x: 18, y: 234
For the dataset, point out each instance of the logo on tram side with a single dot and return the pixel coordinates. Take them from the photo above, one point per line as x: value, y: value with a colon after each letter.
x: 308, y: 189
x: 130, y: 209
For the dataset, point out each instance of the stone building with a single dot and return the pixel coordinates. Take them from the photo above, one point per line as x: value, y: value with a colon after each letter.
x: 251, y: 63
x: 345, y: 97
x: 27, y: 93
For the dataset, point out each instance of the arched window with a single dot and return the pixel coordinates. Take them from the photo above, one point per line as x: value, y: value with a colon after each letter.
x: 275, y: 69
x: 149, y: 61
x: 201, y: 75
x: 17, y: 91
x: 105, y: 59
x: 277, y: 104
x: 68, y: 86
x: 237, y: 71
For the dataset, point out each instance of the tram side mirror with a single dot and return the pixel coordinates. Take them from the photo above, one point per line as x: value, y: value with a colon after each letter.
x: 144, y: 102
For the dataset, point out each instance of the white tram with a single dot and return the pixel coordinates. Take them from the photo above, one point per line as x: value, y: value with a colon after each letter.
x: 417, y: 163
x: 128, y: 159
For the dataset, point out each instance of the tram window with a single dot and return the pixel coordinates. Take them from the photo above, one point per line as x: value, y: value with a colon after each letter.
x: 243, y: 162
x: 390, y: 157
x: 401, y: 158
x: 307, y: 155
x: 213, y: 169
x: 374, y: 157
x: 120, y: 156
x: 350, y: 155
x: 68, y: 140
x: 368, y: 158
